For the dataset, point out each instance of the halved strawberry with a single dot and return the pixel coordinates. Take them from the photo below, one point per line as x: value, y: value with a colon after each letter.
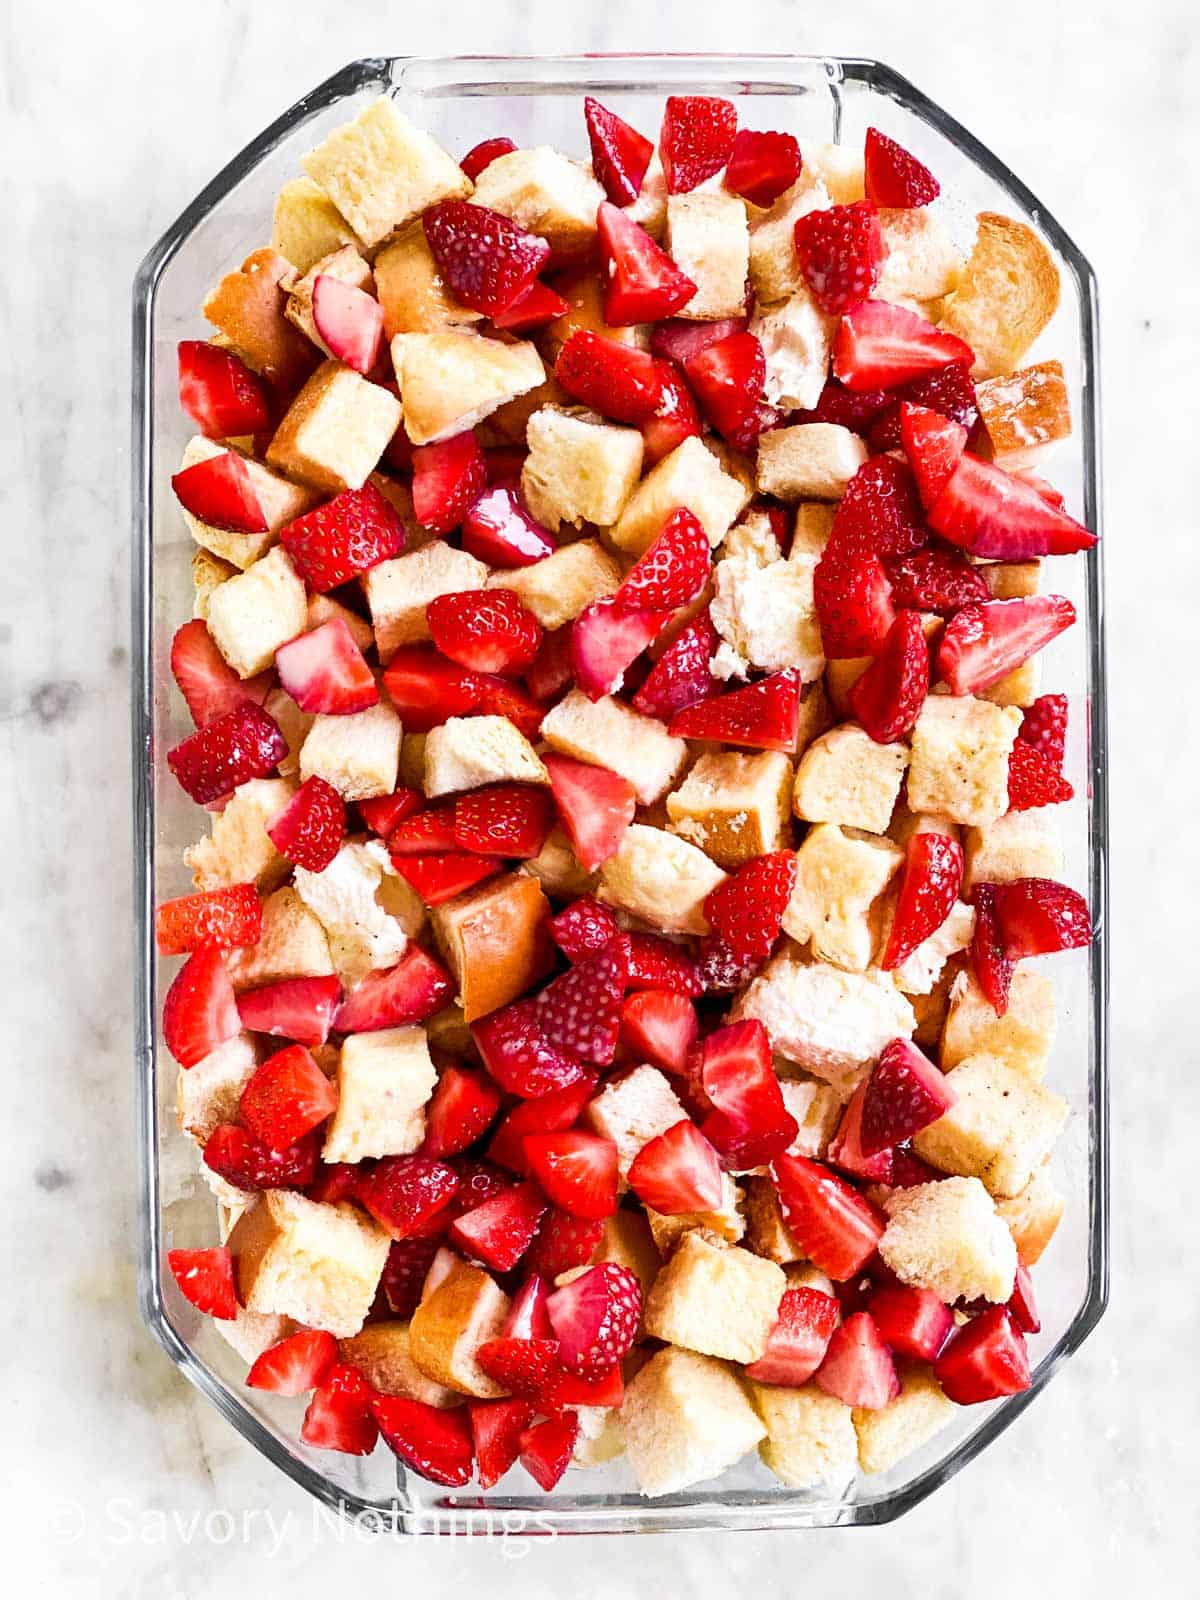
x: 485, y: 630
x: 404, y: 1273
x: 500, y: 531
x: 552, y: 1112
x: 1037, y: 916
x: 620, y: 154
x: 480, y: 156
x: 205, y: 1278
x: 595, y: 1318
x: 448, y: 478
x: 606, y: 639
x: 487, y: 261
x: 929, y: 886
x: 985, y: 642
x: 984, y: 1360
x: 496, y: 1428
x: 228, y: 917
x: 1052, y: 496
x: 219, y: 392
x: 846, y: 1147
x: 1033, y: 780
x: 880, y: 512
x: 518, y: 1055
x: 348, y: 320
x: 439, y: 878
x: 747, y: 908
x: 796, y: 1345
x: 893, y: 177
x: 879, y: 345
x: 550, y: 671
x: 727, y: 379
x: 947, y: 390
x: 546, y: 1448
x: 681, y: 339
x: 528, y: 1368
x: 617, y: 380
x: 762, y: 165
x: 858, y: 1367
x: 583, y: 927
x: 673, y: 570
x: 339, y: 1413
x: 403, y: 1193
x: 437, y: 1444
x: 675, y: 418
x: 577, y: 1171
x: 840, y: 250
x: 309, y: 830
x: 296, y: 1364
x: 991, y: 513
x: 286, y: 1098
x: 677, y: 1172
x: 499, y: 1231
x: 933, y: 444
x: 247, y: 1162
x: 428, y: 832
x: 763, y: 715
x: 562, y: 1241
x: 936, y: 580
x: 427, y: 690
x: 696, y: 139
x: 384, y: 812
x: 681, y: 676
x: 904, y: 1094
x: 888, y: 697
x: 991, y: 963
x: 656, y: 962
x: 343, y: 538
x: 206, y: 680
x: 218, y: 491
x: 853, y: 598
x: 505, y: 819
x: 912, y: 1322
x: 199, y: 1012
x: 749, y: 1124
x: 596, y: 807
x: 580, y: 1011
x: 641, y: 282
x: 294, y: 1008
x: 833, y: 1224
x: 324, y: 671
x: 659, y: 1026
x: 1044, y: 727
x: 534, y: 308
x: 463, y: 1107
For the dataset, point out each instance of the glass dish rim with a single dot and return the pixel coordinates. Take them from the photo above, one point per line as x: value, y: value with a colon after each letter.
x: 379, y: 71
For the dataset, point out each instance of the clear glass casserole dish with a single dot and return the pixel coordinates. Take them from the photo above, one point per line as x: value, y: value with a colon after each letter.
x: 539, y: 101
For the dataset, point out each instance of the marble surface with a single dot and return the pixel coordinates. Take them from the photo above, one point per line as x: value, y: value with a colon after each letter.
x: 121, y: 1481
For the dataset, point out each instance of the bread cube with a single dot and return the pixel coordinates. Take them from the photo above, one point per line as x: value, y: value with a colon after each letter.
x: 1001, y: 1127
x: 797, y: 340
x: 250, y: 616
x: 1023, y: 1037
x: 920, y: 972
x: 247, y: 307
x: 399, y: 590
x: 382, y: 1353
x: 767, y: 1234
x: 306, y: 225
x: 320, y: 1264
x: 557, y: 868
x: 293, y: 944
x: 719, y: 1300
x: 839, y: 877
x: 449, y: 380
x: 685, y: 1419
x: 579, y: 467
x: 766, y: 618
x: 726, y: 1223
x: 947, y: 1237
x: 626, y: 1240
x: 381, y: 171
x: 239, y: 850
x: 649, y: 210
x: 357, y: 754
x: 335, y: 430
x: 465, y: 1310
x: 252, y: 1332
x: 557, y: 588
x: 495, y: 941
x: 344, y: 264
x: 1011, y: 580
x: 1020, y: 844
x: 279, y: 501
x: 545, y: 193
x: 921, y: 260
x: 210, y: 1092
x: 845, y: 777
x: 1020, y: 687
x: 774, y: 267
x: 324, y: 608
x: 608, y: 733
x: 960, y: 751
x: 692, y: 477
x: 906, y: 1423
x: 344, y: 897
x: 810, y: 1435
x: 1031, y: 1216
x: 467, y: 752
x: 208, y: 573
x: 734, y: 805
x: 600, y: 1437
x: 293, y: 724
x: 1008, y: 293
x: 508, y: 425
x: 708, y: 239
x: 811, y: 529
x: 1024, y: 411
x: 411, y: 290
x: 384, y: 1081
x: 660, y: 878
x: 632, y: 1110
x: 808, y: 461
x: 839, y: 167
x: 817, y: 1110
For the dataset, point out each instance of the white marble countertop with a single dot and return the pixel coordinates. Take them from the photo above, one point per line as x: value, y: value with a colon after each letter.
x: 121, y: 1481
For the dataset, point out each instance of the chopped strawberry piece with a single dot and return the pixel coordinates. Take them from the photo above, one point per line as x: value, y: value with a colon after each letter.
x: 228, y: 917
x: 617, y: 380
x: 527, y: 1317
x: 296, y: 1364
x: 485, y: 630
x: 681, y: 676
x: 675, y: 418
x: 404, y: 1273
x: 499, y: 1232
x: 348, y: 320
x: 841, y: 251
x: 596, y: 807
x: 439, y: 878
x: 580, y: 1011
x: 324, y: 671
x: 537, y: 306
x: 487, y: 261
x: 286, y: 1098
x: 659, y: 1026
x: 911, y: 1322
x: 384, y: 812
x: 462, y: 1109
x: 857, y: 410
x: 498, y: 697
x: 528, y: 1368
x: 990, y: 961
x: 641, y: 282
x: 499, y: 530
x: 947, y: 391
x: 749, y: 1124
x: 984, y: 1360
x: 888, y: 697
x: 519, y: 1057
x: 448, y: 478
x: 893, y: 177
x: 546, y: 1448
x: 929, y: 886
x: 678, y: 1172
x: 551, y: 670
x: 991, y: 513
x: 606, y: 1390
x: 846, y: 1147
x: 219, y: 492
x: 985, y: 642
x: 762, y: 165
x: 206, y: 680
x: 606, y: 639
x: 478, y: 1182
x: 335, y: 1181
x: 1037, y: 916
x: 507, y: 819
x: 245, y: 1161
x: 403, y: 1193
x: 309, y: 830
x: 1022, y: 1307
x: 696, y: 139
x: 1033, y: 780
x: 747, y: 908
x: 294, y: 1008
x: 1052, y: 496
x: 583, y: 928
x: 879, y: 345
x: 936, y: 580
x: 552, y: 1112
x: 199, y: 1012
x: 343, y: 538
x: 595, y: 1318
x: 576, y: 1171
x: 1044, y: 727
x: 219, y: 392
x: 904, y: 1094
x: 205, y: 1279
x: 833, y: 1224
x: 339, y: 1414
x: 763, y: 715
x: 496, y: 1428
x: 908, y: 1170
x: 562, y: 1242
x: 728, y: 378
x: 437, y: 1444
x: 797, y: 1343
x: 673, y: 570
x: 681, y: 339
x: 427, y: 690
x: 853, y: 598
x: 480, y: 156
x: 656, y: 962
x: 620, y: 154
x: 880, y: 512
x: 428, y: 832
x: 858, y: 1367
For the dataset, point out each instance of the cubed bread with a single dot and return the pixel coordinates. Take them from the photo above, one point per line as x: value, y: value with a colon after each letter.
x: 1033, y: 1216
x: 358, y: 754
x: 412, y: 292
x: 1023, y: 1037
x: 324, y: 608
x: 600, y: 1437
x: 839, y: 877
x: 708, y: 239
x: 775, y: 271
x: 495, y: 941
x: 734, y: 805
x: 767, y: 1234
x: 845, y: 777
x: 239, y: 849
x: 1020, y: 687
x: 252, y: 1332
x: 279, y: 501
x: 557, y: 588
x: 811, y: 529
x: 384, y: 1080
x: 796, y: 338
x: 810, y: 1435
x: 465, y: 1310
x: 306, y: 225
x: 466, y: 752
x: 661, y: 878
x: 545, y: 193
x: 320, y: 1264
x: 250, y: 616
x: 1020, y: 844
x: 921, y: 261
x: 1000, y: 1129
x: 399, y: 590
x: 1012, y: 580
x: 247, y: 307
x: 347, y: 266
x: 382, y: 1353
x: 292, y: 944
x: 901, y: 1427
x: 556, y: 867
x: 580, y: 468
x: 817, y: 1110
x: 718, y: 1299
x: 649, y: 210
x: 947, y: 1236
x: 839, y: 167
x: 692, y: 477
x: 209, y: 571
x: 725, y: 1223
x: 960, y: 751
x: 210, y: 1092
x: 808, y: 461
x: 1008, y: 293
x: 345, y: 898
x: 335, y: 431
x: 686, y: 1419
x: 608, y: 733
x: 1024, y: 410
x: 381, y: 171
x: 633, y: 1109
x: 752, y: 539
x: 626, y: 1240
x: 766, y: 618
x: 451, y: 379
x: 922, y: 969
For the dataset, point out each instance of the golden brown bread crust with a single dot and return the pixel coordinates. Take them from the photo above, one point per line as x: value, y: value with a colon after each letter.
x: 1026, y: 409
x: 463, y: 1312
x: 495, y: 941
x: 1008, y: 294
x: 248, y: 307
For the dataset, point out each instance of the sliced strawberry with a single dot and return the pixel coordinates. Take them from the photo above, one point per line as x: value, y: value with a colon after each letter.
x: 990, y: 961
x: 296, y: 1364
x: 427, y: 690
x: 620, y: 154
x: 681, y: 676
x: 696, y: 139
x: 678, y: 1172
x: 947, y: 390
x: 286, y: 1098
x: 499, y: 530
x: 294, y: 1008
x: 206, y: 680
x: 679, y: 340
x: 506, y: 819
x: 339, y: 1414
x: 659, y: 1026
x: 437, y: 1444
x: 403, y: 1193
x: 527, y: 1315
x: 747, y: 908
x: 641, y: 282
x: 384, y: 812
x: 1052, y: 496
x: 551, y: 670
x: 478, y: 1182
x: 912, y: 1322
x: 485, y: 630
x: 580, y: 1011
x: 858, y: 1367
x: 606, y: 639
x: 519, y: 1057
x: 324, y: 671
x: 236, y: 1155
x: 853, y: 598
x: 880, y: 512
x: 448, y: 479
x: 675, y: 418
x: 904, y: 1094
x: 335, y: 1181
x: 218, y: 491
x: 553, y: 1112
x: 727, y: 378
x: 499, y: 1232
x: 985, y: 642
x: 656, y: 962
x: 617, y: 380
x: 496, y: 1429
x: 462, y: 1109
x: 309, y: 830
x: 673, y: 570
x: 528, y: 1368
x: 749, y: 1124
x: 245, y: 743
x: 439, y: 878
x: 595, y: 1318
x: 762, y: 165
x: 205, y: 1279
x: 343, y: 538
x: 936, y: 580
x: 576, y: 1171
x: 487, y: 261
x: 1022, y: 1307
x: 480, y: 156
x: 833, y: 1224
x: 1033, y: 780
x: 991, y: 513
x: 1044, y: 726
x: 857, y: 410
x: 1036, y: 916
x: 498, y: 697
x: 428, y: 832
x: 934, y: 445
x: 537, y: 306
x: 840, y: 250
x: 606, y: 1390
x: 846, y: 1147
x: 348, y: 320
x: 546, y: 1448
x: 888, y: 697
x: 984, y: 1360
x: 595, y: 804
x: 763, y: 715
x: 879, y: 345
x: 199, y: 1012
x: 219, y: 392
x: 796, y: 1345
x: 228, y: 917
x: 562, y: 1242
x: 929, y: 886
x: 404, y: 1273
x: 583, y: 928
x: 893, y: 177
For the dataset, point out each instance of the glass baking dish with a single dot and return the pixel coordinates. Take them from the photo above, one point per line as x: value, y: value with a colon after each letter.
x: 539, y: 101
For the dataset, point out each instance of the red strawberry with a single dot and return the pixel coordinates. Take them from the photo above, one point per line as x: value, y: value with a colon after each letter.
x: 286, y: 1098
x: 728, y: 378
x: 199, y: 1012
x: 324, y: 671
x: 984, y: 1360
x: 428, y: 832
x: 1044, y: 727
x: 912, y: 1322
x: 762, y: 165
x: 403, y: 1193
x: 678, y: 1172
x: 595, y: 1318
x: 480, y: 156
x: 615, y: 379
x: 853, y: 598
x: 551, y: 670
x: 880, y: 512
x: 696, y: 139
x: 763, y: 715
x: 947, y: 390
x: 496, y: 1428
x: 562, y: 1242
x: 747, y: 908
x: 985, y: 642
x: 553, y: 1112
x: 219, y: 392
x: 404, y: 1273
x: 499, y: 530
x: 295, y: 1008
x: 797, y: 1343
x: 908, y: 1170
x: 673, y: 570
x: 245, y: 743
x: 296, y: 1364
x: 583, y: 927
x: 228, y: 917
x: 435, y: 1443
x: 335, y: 1181
x: 500, y: 698
x: 936, y: 580
x: 990, y: 961
x: 339, y: 1414
x: 427, y: 690
x: 546, y: 1448
x: 858, y: 1367
x: 462, y: 1109
x: 893, y: 177
x: 343, y: 538
x: 641, y: 282
x: 519, y: 1057
x: 1036, y: 916
x: 658, y: 963
x: 1033, y: 780
x: 479, y: 1182
x: 836, y: 1228
x: 439, y: 878
x: 929, y: 886
x: 538, y: 305
x: 348, y: 320
x: 484, y: 630
x: 507, y: 819
x: 527, y: 1317
x: 448, y: 478
x: 1022, y: 1307
x: 205, y: 1278
x: 576, y: 1171
x: 596, y: 807
x: 841, y: 251
x: 206, y: 680
x: 245, y: 1161
x: 218, y: 491
x: 485, y: 258
x: 846, y: 1147
x: 384, y: 812
x: 620, y: 154
x: 659, y: 1026
x: 606, y: 639
x: 580, y: 1011
x: 681, y: 339
x: 675, y: 418
x: 1052, y: 496
x: 879, y: 345
x: 528, y: 1368
x: 904, y: 1094
x: 749, y: 1124
x: 499, y: 1231
x: 856, y: 410
x: 888, y: 697
x: 309, y: 830
x: 991, y: 513
x: 681, y: 675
